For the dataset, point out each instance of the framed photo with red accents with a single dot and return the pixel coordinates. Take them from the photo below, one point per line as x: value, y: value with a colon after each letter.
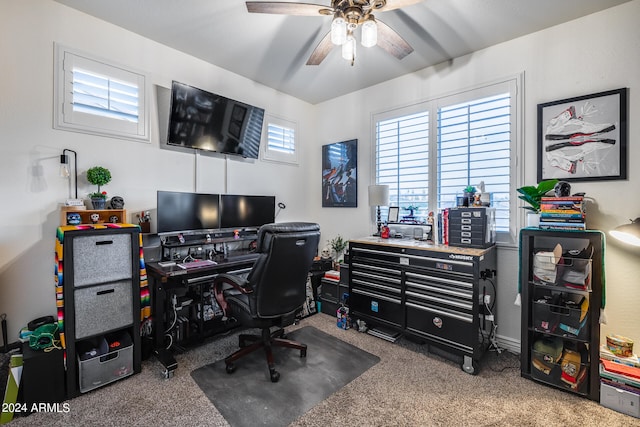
x: 339, y: 174
x: 583, y: 138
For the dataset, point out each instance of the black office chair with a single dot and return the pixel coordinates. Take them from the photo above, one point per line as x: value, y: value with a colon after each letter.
x: 274, y: 290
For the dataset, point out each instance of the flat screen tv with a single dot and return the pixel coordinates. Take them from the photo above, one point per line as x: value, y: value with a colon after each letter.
x: 187, y: 212
x: 246, y: 211
x: 206, y: 121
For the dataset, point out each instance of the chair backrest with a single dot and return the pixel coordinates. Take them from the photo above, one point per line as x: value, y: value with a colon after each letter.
x: 279, y: 275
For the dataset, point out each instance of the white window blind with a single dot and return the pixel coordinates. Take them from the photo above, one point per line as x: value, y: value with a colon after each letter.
x: 281, y: 145
x: 403, y: 160
x: 95, y: 97
x: 474, y: 146
x: 429, y: 152
x: 281, y: 139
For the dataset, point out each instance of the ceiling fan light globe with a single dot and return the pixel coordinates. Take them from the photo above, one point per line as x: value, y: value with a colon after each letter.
x: 349, y: 49
x: 369, y: 34
x: 338, y: 31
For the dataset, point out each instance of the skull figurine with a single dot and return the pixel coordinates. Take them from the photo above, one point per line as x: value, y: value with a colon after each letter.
x: 326, y: 253
x: 95, y: 218
x: 116, y: 202
x: 113, y: 219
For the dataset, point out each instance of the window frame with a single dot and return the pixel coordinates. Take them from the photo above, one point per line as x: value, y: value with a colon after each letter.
x: 513, y: 84
x: 67, y: 119
x: 276, y: 155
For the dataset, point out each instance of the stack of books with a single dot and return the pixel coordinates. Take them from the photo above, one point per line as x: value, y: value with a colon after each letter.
x: 562, y: 213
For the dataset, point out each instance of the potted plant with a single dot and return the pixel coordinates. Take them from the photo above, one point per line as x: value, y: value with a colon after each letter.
x: 99, y: 176
x: 532, y: 196
x: 338, y: 245
x: 468, y: 193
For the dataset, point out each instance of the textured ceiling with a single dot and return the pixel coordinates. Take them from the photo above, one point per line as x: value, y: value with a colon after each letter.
x: 273, y: 49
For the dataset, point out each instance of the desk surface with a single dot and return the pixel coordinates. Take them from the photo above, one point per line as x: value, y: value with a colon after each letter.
x: 174, y: 271
x: 419, y: 244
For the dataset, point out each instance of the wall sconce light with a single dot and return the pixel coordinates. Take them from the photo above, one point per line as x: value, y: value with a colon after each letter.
x: 64, y: 168
x: 628, y: 233
x: 378, y: 196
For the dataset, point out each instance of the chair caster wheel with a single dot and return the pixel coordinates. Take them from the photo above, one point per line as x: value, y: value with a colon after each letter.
x: 303, y: 353
x: 231, y: 368
x: 275, y: 376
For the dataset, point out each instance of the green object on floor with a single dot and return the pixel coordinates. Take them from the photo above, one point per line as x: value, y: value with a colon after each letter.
x: 11, y: 392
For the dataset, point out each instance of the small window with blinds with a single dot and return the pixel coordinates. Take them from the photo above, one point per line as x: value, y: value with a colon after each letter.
x: 99, y: 98
x: 281, y: 140
x: 429, y: 152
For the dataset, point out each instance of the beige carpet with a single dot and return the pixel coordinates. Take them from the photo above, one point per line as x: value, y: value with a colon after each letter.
x: 408, y: 387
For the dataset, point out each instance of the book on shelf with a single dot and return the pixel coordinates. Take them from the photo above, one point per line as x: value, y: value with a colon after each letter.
x: 553, y: 199
x: 561, y: 225
x: 576, y: 219
x: 332, y: 274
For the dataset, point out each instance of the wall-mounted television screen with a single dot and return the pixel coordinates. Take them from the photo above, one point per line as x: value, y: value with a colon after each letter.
x: 187, y: 212
x: 206, y: 121
x: 246, y: 211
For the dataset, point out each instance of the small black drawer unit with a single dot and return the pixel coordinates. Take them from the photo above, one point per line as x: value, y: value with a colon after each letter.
x: 472, y: 227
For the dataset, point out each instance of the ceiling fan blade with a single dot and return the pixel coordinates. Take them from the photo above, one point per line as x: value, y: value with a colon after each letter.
x: 321, y: 51
x: 397, y: 4
x: 284, y: 8
x: 391, y: 41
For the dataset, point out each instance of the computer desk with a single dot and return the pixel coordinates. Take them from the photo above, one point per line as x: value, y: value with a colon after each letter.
x: 164, y: 282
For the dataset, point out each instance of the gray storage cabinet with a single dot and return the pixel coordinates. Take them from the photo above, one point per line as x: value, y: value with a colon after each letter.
x: 101, y: 289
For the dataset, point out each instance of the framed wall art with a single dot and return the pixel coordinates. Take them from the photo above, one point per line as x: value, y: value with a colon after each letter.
x: 583, y: 138
x: 339, y: 174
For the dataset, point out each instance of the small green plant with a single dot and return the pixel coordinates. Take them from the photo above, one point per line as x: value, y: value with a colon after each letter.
x: 99, y: 176
x: 533, y: 194
x: 469, y: 189
x: 338, y: 244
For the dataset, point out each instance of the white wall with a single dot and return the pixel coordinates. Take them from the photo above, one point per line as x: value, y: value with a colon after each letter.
x: 28, y: 30
x: 596, y: 53
x: 589, y: 55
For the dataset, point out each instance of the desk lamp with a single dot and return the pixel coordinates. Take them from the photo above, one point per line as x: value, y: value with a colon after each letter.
x: 378, y: 196
x: 628, y: 233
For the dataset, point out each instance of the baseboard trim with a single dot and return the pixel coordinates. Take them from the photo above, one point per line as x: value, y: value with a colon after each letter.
x: 509, y: 344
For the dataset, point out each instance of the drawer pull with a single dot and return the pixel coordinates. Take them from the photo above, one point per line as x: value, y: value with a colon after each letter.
x: 371, y: 294
x: 377, y: 286
x: 106, y: 291
x: 440, y: 300
x: 375, y: 276
x: 468, y: 319
x: 432, y: 279
x: 104, y: 242
x: 441, y: 290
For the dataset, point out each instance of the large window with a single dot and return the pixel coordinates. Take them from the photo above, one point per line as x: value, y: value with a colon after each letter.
x: 429, y: 152
x: 95, y: 97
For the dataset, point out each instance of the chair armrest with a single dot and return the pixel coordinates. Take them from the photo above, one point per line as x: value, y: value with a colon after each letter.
x: 225, y: 281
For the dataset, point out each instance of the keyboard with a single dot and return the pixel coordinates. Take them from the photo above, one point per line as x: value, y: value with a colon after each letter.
x: 197, y: 263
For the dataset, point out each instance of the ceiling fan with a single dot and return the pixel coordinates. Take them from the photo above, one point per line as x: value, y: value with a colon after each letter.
x: 348, y: 15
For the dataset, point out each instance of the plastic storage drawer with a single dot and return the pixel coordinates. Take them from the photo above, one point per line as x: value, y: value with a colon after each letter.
x: 103, y: 308
x: 101, y: 370
x: 620, y: 400
x: 101, y: 258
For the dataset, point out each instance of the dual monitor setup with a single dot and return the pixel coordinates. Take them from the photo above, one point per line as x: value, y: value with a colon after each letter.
x: 201, y: 213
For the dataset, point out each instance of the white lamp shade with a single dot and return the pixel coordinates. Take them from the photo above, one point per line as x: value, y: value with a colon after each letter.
x: 628, y: 233
x: 378, y: 195
x: 338, y: 31
x: 349, y: 48
x: 369, y: 33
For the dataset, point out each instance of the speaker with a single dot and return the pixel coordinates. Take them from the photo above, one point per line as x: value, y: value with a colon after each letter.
x: 152, y: 247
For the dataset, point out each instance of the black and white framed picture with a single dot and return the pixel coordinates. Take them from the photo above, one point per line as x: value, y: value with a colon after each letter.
x: 583, y: 138
x: 339, y: 174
